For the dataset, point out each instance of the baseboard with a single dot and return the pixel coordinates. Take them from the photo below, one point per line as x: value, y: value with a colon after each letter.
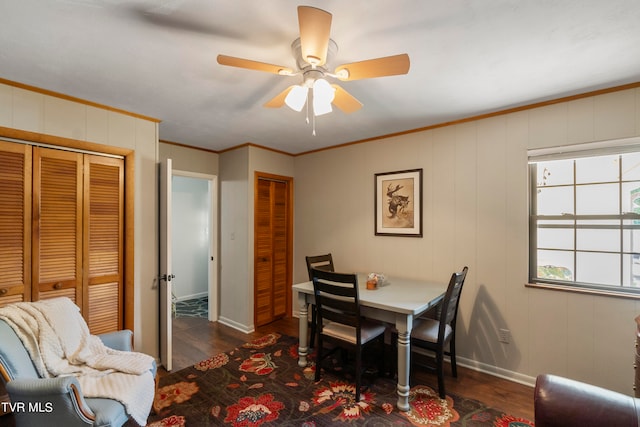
x: 235, y: 325
x: 496, y: 371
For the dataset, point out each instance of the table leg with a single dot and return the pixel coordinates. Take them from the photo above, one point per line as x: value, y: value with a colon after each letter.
x: 303, y: 330
x: 403, y: 325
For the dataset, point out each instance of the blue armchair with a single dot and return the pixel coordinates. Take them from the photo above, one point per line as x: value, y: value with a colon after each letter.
x: 55, y: 401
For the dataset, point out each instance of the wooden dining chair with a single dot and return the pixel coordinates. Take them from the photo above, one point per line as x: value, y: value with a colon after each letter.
x: 436, y: 334
x: 320, y: 262
x: 339, y: 320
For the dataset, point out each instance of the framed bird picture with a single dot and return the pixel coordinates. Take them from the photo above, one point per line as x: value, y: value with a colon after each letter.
x: 398, y: 203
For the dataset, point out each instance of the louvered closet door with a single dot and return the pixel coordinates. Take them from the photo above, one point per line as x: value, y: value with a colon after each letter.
x: 271, y: 245
x: 279, y: 227
x: 15, y: 223
x: 263, y: 263
x: 103, y: 245
x: 57, y: 225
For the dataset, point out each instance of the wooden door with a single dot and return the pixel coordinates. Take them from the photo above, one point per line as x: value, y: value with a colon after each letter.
x: 57, y: 225
x: 166, y: 265
x: 103, y: 243
x: 77, y: 233
x: 15, y: 223
x: 272, y: 249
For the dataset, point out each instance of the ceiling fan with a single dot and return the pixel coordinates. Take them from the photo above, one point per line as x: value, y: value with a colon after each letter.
x: 312, y: 51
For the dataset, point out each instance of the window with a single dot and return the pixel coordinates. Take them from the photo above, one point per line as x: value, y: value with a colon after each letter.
x: 585, y: 219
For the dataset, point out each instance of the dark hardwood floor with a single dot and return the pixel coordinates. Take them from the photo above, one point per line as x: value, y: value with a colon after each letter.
x: 196, y: 339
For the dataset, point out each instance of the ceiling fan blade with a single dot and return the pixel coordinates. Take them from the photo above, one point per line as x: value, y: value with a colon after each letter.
x: 278, y: 100
x: 232, y: 61
x: 346, y: 102
x: 379, y: 67
x: 315, y: 30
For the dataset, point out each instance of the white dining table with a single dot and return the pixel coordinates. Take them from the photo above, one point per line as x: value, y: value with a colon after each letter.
x: 398, y: 302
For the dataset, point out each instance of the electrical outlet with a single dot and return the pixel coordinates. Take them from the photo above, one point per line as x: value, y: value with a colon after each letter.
x: 504, y: 336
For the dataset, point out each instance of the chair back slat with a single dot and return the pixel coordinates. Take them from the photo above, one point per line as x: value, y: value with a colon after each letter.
x: 319, y: 262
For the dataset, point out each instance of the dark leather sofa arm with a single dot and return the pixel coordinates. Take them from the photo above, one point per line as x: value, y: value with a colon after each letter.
x: 562, y: 402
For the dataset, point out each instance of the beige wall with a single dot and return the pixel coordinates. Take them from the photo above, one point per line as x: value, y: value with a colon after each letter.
x: 189, y: 159
x: 236, y: 291
x: 475, y: 214
x: 35, y: 112
x: 237, y: 171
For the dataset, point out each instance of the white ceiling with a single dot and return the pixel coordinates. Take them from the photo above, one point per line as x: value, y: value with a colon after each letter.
x: 468, y: 57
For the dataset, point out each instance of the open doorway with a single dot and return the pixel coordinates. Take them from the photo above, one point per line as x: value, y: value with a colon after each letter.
x: 194, y: 231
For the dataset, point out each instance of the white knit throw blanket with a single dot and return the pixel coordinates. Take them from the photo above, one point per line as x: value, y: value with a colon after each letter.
x: 59, y: 342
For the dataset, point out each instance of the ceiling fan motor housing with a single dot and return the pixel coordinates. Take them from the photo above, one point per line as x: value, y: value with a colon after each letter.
x: 311, y: 75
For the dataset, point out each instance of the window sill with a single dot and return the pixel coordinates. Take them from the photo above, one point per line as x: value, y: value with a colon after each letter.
x: 630, y: 294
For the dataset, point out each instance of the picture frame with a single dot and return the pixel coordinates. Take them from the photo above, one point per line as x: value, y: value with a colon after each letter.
x: 398, y: 203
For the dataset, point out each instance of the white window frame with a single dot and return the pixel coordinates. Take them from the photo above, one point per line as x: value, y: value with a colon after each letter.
x: 571, y: 152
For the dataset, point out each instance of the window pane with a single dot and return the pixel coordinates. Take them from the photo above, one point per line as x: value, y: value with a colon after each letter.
x: 555, y: 238
x: 555, y: 265
x: 631, y: 166
x: 631, y: 272
x: 597, y: 169
x: 631, y: 197
x: 598, y: 239
x: 631, y: 236
x: 598, y: 268
x: 555, y: 200
x: 597, y: 199
x: 556, y: 172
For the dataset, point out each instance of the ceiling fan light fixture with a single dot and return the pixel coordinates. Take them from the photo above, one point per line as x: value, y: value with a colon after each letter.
x: 296, y: 98
x: 323, y: 95
x: 320, y: 109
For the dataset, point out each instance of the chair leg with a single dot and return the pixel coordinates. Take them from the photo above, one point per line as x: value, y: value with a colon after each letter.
x: 312, y: 334
x: 440, y: 372
x: 452, y: 355
x: 358, y: 372
x: 318, y: 358
x: 393, y: 370
x: 381, y: 364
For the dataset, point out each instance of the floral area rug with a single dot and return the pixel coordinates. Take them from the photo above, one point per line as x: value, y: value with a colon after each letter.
x: 260, y: 383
